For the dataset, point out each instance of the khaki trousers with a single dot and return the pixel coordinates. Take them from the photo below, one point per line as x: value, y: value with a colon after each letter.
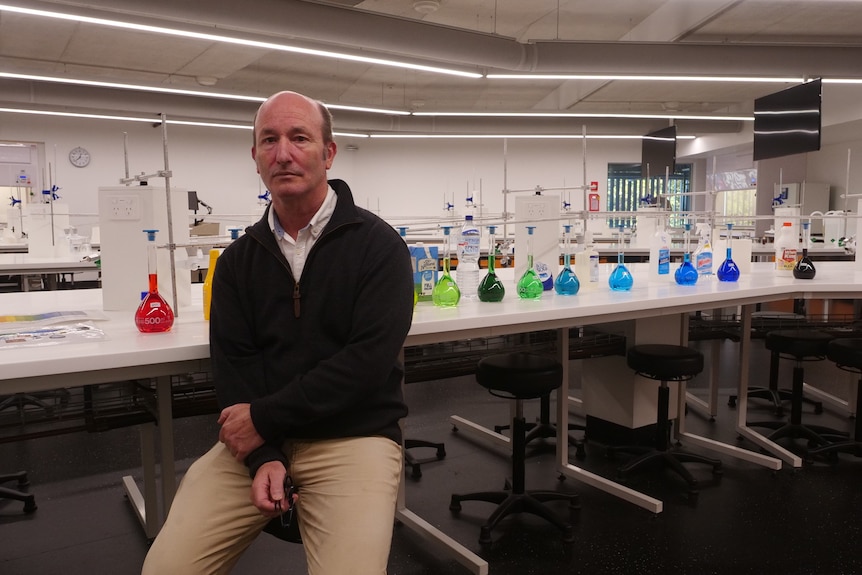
x: 347, y: 496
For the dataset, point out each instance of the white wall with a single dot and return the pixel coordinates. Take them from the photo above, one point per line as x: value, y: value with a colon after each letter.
x: 405, y: 178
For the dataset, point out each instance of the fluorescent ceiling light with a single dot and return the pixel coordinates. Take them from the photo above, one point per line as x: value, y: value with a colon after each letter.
x: 627, y: 116
x: 520, y: 136
x: 672, y: 78
x: 138, y: 27
x: 152, y: 120
x: 651, y: 78
x: 157, y: 121
x: 181, y: 92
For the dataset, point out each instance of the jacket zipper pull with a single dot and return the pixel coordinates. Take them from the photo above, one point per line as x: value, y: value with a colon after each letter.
x: 296, y: 298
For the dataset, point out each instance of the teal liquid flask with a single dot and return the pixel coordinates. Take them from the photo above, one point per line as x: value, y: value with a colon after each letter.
x: 530, y: 286
x: 621, y: 278
x: 804, y: 268
x: 491, y: 288
x: 728, y: 270
x: 446, y: 292
x: 686, y: 274
x: 567, y: 282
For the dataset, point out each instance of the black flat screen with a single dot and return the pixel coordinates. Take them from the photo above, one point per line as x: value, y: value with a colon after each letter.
x: 658, y: 152
x: 788, y: 122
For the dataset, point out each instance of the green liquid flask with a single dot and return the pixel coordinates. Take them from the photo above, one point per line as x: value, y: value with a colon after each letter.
x: 446, y: 292
x: 567, y: 282
x: 491, y: 288
x: 530, y: 286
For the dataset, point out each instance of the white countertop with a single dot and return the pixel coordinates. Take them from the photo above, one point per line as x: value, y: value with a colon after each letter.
x: 126, y: 348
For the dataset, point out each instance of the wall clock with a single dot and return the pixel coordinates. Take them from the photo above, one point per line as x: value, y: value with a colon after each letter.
x: 79, y: 157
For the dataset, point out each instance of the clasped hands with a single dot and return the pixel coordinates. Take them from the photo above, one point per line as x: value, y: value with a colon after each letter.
x: 241, y: 438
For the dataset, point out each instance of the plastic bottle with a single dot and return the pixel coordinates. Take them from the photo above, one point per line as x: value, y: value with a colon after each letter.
x: 703, y: 253
x: 468, y: 260
x: 786, y: 245
x: 587, y: 264
x: 208, y: 282
x: 659, y: 253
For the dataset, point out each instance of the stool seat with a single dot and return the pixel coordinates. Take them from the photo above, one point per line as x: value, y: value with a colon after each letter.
x: 799, y: 343
x: 846, y: 352
x: 519, y: 375
x: 665, y: 362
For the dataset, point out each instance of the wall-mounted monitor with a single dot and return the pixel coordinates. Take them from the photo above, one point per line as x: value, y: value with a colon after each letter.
x: 788, y: 122
x: 658, y: 152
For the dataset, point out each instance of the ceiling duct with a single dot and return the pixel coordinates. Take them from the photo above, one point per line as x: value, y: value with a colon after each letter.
x: 353, y: 30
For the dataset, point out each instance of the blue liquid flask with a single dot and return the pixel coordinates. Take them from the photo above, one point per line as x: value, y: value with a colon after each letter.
x: 567, y: 282
x: 621, y: 278
x: 728, y: 270
x: 686, y: 274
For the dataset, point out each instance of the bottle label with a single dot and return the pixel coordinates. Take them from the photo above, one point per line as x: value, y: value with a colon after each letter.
x: 786, y: 259
x: 469, y: 245
x: 703, y: 262
x: 664, y: 261
x: 594, y: 268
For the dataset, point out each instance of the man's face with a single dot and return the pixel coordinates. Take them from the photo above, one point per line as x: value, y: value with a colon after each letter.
x: 289, y: 151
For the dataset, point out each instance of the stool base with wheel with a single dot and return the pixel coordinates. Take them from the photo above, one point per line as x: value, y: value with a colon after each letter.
x: 665, y: 363
x: 799, y: 345
x: 847, y: 355
x: 519, y: 376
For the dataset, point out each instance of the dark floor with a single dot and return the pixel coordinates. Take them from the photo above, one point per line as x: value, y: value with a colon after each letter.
x: 753, y: 521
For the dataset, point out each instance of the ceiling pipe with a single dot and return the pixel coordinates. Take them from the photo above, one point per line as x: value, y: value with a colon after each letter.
x: 353, y: 30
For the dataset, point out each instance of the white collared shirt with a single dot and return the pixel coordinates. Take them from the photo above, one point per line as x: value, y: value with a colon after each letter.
x: 296, y: 251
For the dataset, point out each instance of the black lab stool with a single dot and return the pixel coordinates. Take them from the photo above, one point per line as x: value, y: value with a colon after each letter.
x: 800, y: 345
x: 847, y: 355
x: 519, y: 376
x: 664, y: 363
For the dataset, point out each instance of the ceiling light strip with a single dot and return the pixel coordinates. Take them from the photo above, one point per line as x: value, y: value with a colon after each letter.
x: 519, y: 136
x: 181, y: 92
x: 649, y: 78
x: 137, y: 27
x: 157, y: 121
x: 627, y: 116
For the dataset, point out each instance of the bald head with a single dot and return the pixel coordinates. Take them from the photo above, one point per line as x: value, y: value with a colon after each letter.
x: 295, y: 98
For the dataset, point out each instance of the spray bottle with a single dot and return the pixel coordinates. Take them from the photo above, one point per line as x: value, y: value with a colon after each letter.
x: 703, y: 253
x: 587, y: 263
x: 659, y: 253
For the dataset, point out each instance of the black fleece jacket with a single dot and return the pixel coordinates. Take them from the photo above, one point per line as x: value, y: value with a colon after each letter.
x: 319, y: 358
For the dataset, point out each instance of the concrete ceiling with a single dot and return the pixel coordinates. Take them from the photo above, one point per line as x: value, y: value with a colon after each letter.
x: 705, y: 37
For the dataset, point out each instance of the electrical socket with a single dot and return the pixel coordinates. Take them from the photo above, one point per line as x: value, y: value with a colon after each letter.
x: 124, y: 207
x: 536, y: 210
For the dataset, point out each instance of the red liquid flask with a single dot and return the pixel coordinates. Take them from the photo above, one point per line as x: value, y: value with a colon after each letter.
x: 154, y: 315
